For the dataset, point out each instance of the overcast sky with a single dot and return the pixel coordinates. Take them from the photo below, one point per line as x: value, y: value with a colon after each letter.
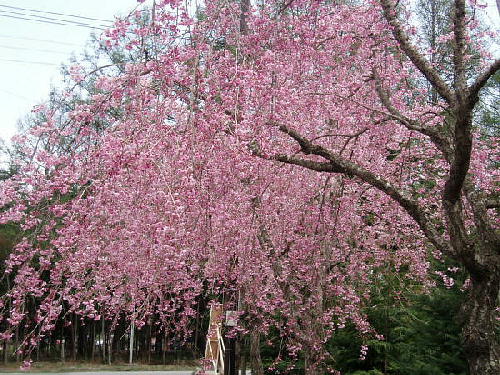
x: 33, y: 44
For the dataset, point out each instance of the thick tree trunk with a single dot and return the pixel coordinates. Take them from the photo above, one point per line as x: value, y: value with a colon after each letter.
x: 312, y: 365
x: 482, y: 348
x: 255, y: 360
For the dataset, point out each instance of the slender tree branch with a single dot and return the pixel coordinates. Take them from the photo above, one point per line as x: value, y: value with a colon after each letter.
x: 350, y: 136
x: 481, y: 81
x: 436, y: 136
x: 285, y: 6
x: 414, y: 55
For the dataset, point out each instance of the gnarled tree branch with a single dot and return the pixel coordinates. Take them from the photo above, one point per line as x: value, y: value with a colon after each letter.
x: 437, y: 137
x: 414, y: 55
x: 338, y: 164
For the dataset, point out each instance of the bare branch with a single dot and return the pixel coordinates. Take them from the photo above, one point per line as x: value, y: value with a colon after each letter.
x: 333, y: 135
x: 414, y: 55
x: 308, y: 164
x: 481, y: 81
x: 436, y: 136
x: 460, y: 80
x: 285, y: 6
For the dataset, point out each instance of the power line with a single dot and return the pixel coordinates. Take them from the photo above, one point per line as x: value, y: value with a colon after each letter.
x: 29, y: 62
x: 28, y: 19
x: 8, y: 92
x: 38, y: 40
x: 49, y: 20
x: 33, y: 49
x: 57, y: 14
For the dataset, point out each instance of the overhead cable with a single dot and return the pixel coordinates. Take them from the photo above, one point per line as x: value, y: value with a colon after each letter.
x: 56, y: 13
x: 43, y: 19
x: 4, y: 36
x: 33, y: 49
x: 29, y: 62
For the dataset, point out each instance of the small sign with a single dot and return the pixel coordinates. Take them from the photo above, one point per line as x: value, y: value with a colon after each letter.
x: 231, y: 318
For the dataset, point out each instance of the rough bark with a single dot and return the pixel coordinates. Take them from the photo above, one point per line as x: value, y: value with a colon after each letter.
x: 481, y: 347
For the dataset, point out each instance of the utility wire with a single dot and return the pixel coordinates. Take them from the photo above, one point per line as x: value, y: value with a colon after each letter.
x: 57, y: 14
x: 4, y: 36
x: 14, y: 94
x: 33, y: 49
x: 28, y: 19
x: 29, y: 62
x: 49, y: 20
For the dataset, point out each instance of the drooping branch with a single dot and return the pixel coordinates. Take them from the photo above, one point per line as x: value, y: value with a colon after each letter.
x: 338, y: 164
x: 414, y: 55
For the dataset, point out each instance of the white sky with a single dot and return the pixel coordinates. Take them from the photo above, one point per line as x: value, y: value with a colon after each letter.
x: 39, y: 48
